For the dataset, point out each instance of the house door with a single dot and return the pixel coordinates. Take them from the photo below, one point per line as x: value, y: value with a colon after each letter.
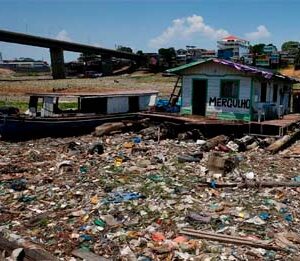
x: 199, y: 97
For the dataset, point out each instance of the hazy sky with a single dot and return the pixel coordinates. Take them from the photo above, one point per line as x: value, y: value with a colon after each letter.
x: 147, y: 25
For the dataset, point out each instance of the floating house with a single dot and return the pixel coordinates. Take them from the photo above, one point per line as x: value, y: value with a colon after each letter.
x: 226, y: 90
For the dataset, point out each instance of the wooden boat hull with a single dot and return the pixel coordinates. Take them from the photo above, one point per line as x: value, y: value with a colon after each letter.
x: 19, y: 128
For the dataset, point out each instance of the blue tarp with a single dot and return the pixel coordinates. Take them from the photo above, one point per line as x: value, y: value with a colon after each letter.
x: 163, y: 105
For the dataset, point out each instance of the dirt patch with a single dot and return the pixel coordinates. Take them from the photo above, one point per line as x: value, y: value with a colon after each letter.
x: 22, y: 86
x: 290, y: 71
x: 6, y: 72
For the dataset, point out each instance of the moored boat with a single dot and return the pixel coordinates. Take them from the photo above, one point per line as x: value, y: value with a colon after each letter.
x: 47, y: 114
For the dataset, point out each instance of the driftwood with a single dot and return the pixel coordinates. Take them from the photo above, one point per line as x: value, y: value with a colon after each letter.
x: 294, y: 156
x: 230, y: 239
x: 215, y: 141
x: 252, y: 145
x: 87, y: 255
x: 253, y: 184
x: 281, y: 143
x: 9, y: 242
x: 110, y: 127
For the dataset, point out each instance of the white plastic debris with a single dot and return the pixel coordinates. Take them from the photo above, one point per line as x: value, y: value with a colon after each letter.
x: 233, y: 146
x: 200, y: 142
x: 249, y: 175
x: 128, y: 254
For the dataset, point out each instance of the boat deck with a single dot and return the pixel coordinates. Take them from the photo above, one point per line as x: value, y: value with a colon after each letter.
x: 278, y: 127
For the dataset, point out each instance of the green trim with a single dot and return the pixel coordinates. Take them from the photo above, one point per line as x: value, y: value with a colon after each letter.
x: 229, y: 80
x: 186, y: 110
x: 206, y: 90
x: 217, y: 75
x: 230, y: 116
x: 186, y: 66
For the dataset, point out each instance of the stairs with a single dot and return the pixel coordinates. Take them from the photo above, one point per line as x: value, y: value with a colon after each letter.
x: 176, y: 92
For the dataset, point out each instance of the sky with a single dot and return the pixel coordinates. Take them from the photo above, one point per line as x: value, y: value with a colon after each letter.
x: 147, y: 25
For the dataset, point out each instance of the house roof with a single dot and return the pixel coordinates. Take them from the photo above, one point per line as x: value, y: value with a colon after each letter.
x: 94, y: 94
x: 255, y: 71
x: 231, y: 37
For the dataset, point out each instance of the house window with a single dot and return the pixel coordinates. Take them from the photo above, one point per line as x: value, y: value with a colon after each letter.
x: 275, y: 91
x: 230, y: 89
x: 263, y: 92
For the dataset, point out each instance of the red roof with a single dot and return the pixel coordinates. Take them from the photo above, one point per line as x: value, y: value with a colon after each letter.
x: 231, y: 37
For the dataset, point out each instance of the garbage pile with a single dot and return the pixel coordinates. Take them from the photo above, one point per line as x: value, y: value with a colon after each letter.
x: 145, y: 196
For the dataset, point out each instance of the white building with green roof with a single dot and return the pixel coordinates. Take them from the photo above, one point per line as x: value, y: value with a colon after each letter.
x: 226, y: 90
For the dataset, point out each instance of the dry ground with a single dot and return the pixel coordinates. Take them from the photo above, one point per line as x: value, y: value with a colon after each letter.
x: 291, y: 72
x: 14, y: 88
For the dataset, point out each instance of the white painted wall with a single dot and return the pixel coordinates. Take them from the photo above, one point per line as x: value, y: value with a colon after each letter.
x: 144, y: 102
x: 117, y: 105
x: 47, y: 109
x: 270, y: 106
x: 213, y: 90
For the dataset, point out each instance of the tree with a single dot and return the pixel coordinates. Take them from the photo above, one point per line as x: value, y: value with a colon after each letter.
x: 291, y: 46
x: 124, y: 49
x: 88, y: 56
x: 297, y: 61
x: 140, y: 52
x: 168, y: 54
x: 257, y: 49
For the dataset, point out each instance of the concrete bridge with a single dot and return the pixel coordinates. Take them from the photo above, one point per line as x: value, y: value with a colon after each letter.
x: 58, y: 47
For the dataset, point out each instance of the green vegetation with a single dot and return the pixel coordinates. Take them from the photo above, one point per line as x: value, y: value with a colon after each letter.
x: 297, y: 61
x: 68, y: 106
x: 124, y: 49
x: 23, y: 105
x: 168, y: 54
x: 291, y: 47
x: 257, y: 48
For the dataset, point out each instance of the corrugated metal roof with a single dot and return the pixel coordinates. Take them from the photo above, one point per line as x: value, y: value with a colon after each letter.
x: 237, y: 66
x: 186, y: 66
x: 95, y: 94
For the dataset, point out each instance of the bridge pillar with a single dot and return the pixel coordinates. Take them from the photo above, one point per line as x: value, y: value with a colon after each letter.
x: 107, y: 66
x: 57, y: 63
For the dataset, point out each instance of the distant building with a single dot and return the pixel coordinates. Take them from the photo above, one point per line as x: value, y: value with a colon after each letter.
x: 208, y: 54
x: 275, y: 59
x: 287, y: 58
x: 192, y: 54
x: 181, y: 56
x: 262, y: 60
x: 270, y: 49
x: 226, y: 54
x: 25, y: 65
x: 233, y: 48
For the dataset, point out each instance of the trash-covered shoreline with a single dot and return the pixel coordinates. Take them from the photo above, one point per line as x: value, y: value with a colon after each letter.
x: 130, y: 195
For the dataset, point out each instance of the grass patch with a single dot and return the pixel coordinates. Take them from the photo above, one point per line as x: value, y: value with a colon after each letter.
x: 68, y: 106
x: 22, y: 105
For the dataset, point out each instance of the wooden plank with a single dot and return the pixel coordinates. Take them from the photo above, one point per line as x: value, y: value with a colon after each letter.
x: 283, y: 142
x: 254, y: 184
x: 33, y: 252
x: 230, y: 239
x: 87, y: 255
